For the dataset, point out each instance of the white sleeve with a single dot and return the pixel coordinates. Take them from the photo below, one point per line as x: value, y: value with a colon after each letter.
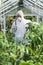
x: 12, y: 28
x: 13, y: 25
x: 29, y: 21
x: 35, y: 23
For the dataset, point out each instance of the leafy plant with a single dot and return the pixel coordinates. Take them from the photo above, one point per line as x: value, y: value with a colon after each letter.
x: 29, y: 53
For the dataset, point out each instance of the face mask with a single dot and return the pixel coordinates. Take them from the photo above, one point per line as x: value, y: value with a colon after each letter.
x: 19, y: 19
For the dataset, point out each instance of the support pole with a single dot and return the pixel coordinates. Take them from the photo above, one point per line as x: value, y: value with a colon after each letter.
x: 5, y: 26
x: 42, y: 19
x: 37, y: 18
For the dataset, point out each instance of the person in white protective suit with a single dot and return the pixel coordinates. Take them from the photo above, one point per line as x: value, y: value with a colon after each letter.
x: 19, y: 26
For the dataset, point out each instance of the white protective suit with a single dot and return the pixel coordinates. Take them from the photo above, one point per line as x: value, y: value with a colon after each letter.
x: 21, y: 28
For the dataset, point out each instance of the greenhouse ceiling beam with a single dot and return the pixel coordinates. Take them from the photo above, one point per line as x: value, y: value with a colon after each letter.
x: 7, y: 3
x: 30, y: 6
x: 38, y: 2
x: 35, y: 12
x: 34, y: 3
x: 9, y: 11
x: 8, y: 7
x: 4, y: 4
x: 24, y: 15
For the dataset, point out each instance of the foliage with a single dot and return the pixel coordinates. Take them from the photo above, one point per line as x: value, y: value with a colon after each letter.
x: 30, y: 53
x: 35, y: 41
x: 30, y: 63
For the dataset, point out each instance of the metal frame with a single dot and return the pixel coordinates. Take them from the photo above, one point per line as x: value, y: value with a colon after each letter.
x: 25, y: 4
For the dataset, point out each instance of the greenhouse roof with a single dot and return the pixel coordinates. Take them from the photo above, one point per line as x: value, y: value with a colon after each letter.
x: 35, y: 6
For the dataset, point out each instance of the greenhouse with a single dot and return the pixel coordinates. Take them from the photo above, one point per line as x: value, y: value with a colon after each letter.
x: 29, y: 51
